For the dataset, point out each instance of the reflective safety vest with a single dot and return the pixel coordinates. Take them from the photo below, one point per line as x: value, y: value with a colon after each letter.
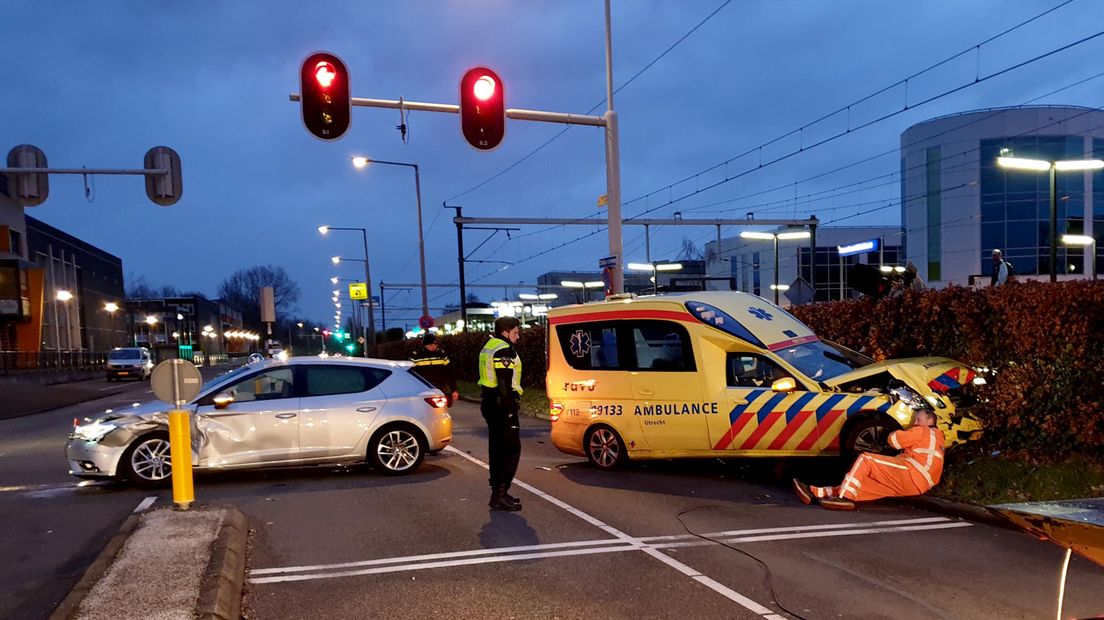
x: 488, y: 364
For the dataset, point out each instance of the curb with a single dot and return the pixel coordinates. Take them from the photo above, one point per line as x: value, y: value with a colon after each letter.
x: 220, y: 594
x: 969, y: 512
x: 69, y: 605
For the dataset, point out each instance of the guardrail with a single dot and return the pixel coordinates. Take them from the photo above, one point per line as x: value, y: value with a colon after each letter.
x: 13, y: 362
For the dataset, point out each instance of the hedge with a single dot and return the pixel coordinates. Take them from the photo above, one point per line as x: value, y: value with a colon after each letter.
x: 463, y: 350
x: 1044, y: 343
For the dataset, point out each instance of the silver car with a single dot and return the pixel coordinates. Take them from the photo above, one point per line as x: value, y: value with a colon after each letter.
x: 276, y: 413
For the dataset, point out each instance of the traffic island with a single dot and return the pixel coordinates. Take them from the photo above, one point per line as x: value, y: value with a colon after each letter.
x: 166, y: 563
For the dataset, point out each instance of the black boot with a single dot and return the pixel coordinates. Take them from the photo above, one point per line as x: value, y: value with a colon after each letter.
x: 499, y: 501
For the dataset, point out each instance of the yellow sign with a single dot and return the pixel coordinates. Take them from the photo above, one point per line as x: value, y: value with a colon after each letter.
x: 603, y: 200
x: 358, y: 290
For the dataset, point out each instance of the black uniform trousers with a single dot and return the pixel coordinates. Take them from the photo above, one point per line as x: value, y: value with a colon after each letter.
x: 503, y: 434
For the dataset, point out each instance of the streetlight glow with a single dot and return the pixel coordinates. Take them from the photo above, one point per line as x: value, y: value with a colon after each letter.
x: 333, y: 280
x: 640, y: 267
x: 1077, y: 240
x: 111, y: 307
x: 323, y: 229
x: 1080, y: 164
x: 152, y: 320
x: 359, y: 162
x: 335, y: 260
x: 751, y: 234
x: 528, y: 296
x: 64, y: 295
x: 1020, y: 163
x: 668, y: 266
x: 571, y: 284
x: 798, y: 234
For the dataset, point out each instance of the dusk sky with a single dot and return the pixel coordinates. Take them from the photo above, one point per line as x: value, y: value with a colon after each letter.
x: 98, y: 83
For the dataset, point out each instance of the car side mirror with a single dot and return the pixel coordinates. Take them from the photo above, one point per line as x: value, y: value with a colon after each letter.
x: 223, y: 400
x: 785, y: 384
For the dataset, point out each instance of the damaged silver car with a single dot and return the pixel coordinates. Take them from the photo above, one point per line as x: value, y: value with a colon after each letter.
x: 302, y: 411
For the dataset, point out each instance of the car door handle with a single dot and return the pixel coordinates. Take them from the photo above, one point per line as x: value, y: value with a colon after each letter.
x: 285, y: 416
x: 366, y: 409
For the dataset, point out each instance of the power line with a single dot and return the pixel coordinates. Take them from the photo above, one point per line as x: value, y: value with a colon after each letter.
x: 596, y: 106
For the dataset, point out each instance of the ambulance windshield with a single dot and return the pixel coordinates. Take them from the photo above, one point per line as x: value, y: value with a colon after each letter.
x: 822, y: 360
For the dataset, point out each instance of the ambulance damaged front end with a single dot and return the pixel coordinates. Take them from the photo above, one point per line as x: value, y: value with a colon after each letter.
x: 947, y: 387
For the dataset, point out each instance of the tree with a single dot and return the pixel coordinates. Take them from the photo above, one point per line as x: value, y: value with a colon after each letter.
x: 243, y: 289
x: 138, y: 288
x: 689, y: 250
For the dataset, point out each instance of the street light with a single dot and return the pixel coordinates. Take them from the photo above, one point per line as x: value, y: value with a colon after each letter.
x: 795, y: 234
x: 1054, y: 167
x: 1083, y: 240
x: 64, y: 296
x: 360, y: 162
x: 370, y: 337
x: 654, y: 267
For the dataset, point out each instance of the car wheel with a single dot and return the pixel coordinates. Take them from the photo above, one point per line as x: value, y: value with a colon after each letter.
x: 604, y: 448
x: 148, y: 462
x: 869, y: 435
x: 396, y: 450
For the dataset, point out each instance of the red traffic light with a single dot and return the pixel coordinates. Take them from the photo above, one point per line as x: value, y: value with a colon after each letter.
x: 482, y: 108
x: 325, y: 73
x: 324, y: 93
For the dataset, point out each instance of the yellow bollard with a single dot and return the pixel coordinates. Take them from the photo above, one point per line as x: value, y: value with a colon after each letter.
x: 180, y: 448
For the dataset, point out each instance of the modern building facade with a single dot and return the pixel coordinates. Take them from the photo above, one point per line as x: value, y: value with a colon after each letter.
x: 958, y: 205
x: 749, y: 263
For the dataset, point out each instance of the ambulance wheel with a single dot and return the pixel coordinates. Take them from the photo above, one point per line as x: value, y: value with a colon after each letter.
x: 869, y: 435
x: 604, y: 448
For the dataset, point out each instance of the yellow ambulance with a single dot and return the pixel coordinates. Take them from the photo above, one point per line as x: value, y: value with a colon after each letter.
x: 716, y: 374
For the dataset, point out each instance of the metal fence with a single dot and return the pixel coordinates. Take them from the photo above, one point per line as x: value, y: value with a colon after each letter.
x: 13, y: 362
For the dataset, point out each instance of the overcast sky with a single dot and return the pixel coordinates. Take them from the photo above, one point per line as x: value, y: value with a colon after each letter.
x: 98, y: 83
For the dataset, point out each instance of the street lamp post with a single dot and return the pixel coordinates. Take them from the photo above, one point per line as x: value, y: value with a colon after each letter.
x: 1053, y: 167
x: 797, y: 234
x: 1083, y: 240
x: 654, y: 268
x: 371, y: 335
x: 111, y: 308
x: 361, y: 162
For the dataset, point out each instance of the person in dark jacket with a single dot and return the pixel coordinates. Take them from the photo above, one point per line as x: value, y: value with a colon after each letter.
x: 433, y: 364
x: 500, y: 378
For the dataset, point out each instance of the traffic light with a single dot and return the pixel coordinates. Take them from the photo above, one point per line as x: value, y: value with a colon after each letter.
x: 482, y: 108
x: 324, y: 93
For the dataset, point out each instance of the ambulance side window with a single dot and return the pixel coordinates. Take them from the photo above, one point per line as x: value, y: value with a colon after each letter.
x: 661, y: 346
x: 590, y: 346
x: 750, y: 370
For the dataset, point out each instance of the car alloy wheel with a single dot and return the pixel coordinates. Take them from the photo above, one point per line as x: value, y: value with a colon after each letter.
x: 397, y: 450
x: 604, y: 448
x: 148, y: 462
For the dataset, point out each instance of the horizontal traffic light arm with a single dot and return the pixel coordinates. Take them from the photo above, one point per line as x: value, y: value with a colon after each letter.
x: 521, y: 115
x: 155, y: 172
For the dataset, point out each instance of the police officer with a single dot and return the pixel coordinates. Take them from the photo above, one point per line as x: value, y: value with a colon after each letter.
x: 500, y: 376
x: 433, y: 364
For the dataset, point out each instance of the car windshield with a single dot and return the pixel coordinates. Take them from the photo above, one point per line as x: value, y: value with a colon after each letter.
x: 822, y: 360
x: 124, y: 354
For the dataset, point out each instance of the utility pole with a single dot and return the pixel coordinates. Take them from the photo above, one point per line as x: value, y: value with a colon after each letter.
x: 460, y: 262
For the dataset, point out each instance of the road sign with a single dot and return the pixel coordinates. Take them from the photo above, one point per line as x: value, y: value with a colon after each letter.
x: 375, y: 300
x: 603, y: 200
x: 800, y: 292
x: 609, y: 261
x: 176, y: 381
x: 425, y: 322
x: 358, y: 290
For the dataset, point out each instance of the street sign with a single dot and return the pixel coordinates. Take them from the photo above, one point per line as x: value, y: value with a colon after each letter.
x: 176, y: 381
x: 358, y: 290
x: 609, y: 261
x: 375, y: 300
x: 603, y: 200
x: 425, y: 322
x: 360, y: 339
x: 800, y: 292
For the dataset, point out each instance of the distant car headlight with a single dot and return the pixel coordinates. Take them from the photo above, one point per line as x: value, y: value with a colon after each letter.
x: 93, y: 432
x: 909, y: 396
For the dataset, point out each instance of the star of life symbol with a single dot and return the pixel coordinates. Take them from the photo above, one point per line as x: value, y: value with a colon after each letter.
x: 760, y: 313
x: 580, y: 343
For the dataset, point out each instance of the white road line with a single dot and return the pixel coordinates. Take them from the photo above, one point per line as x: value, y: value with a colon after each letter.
x: 145, y: 504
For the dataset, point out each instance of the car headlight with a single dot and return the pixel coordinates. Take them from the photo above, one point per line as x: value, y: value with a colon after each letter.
x: 909, y: 397
x: 93, y: 432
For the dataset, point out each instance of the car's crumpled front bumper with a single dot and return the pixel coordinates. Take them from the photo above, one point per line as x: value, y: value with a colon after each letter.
x: 92, y: 459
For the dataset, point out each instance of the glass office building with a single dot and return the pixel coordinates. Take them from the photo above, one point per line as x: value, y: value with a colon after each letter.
x: 958, y: 205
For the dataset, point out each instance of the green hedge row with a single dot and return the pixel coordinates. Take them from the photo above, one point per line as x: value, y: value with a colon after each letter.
x: 1044, y: 343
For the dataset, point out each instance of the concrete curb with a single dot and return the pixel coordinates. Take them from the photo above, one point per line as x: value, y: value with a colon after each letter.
x: 969, y: 512
x: 220, y: 595
x: 69, y: 605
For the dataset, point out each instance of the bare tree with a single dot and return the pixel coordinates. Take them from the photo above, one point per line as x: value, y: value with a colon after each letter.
x: 689, y: 250
x: 243, y: 289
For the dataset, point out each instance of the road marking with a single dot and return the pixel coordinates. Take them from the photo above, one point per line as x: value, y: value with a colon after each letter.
x: 553, y: 550
x: 145, y: 504
x: 619, y: 543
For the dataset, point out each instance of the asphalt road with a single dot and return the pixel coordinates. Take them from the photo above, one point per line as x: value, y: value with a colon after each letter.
x: 341, y: 542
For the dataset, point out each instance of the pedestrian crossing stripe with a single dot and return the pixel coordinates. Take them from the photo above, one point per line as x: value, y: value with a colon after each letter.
x: 793, y: 422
